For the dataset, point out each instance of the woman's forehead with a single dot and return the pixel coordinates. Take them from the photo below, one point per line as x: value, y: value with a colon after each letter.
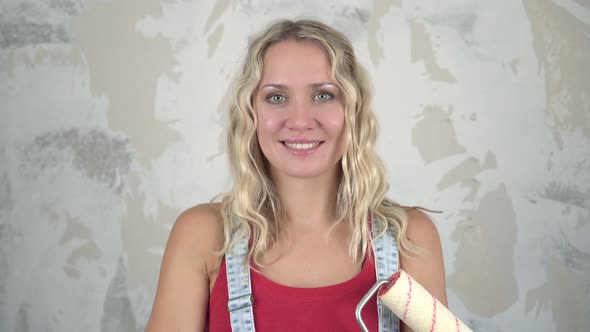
x: 296, y: 60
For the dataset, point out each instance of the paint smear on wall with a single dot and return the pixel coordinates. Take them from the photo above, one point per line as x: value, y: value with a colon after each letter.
x: 483, y: 325
x: 6, y: 200
x: 461, y: 18
x: 96, y: 154
x: 434, y: 135
x: 36, y: 31
x: 117, y: 311
x: 6, y: 235
x: 380, y: 8
x: 422, y: 50
x: 25, y: 23
x: 515, y: 65
x: 583, y: 220
x: 465, y: 174
x: 566, y: 294
x: 568, y: 193
x: 77, y: 239
x: 141, y: 235
x: 562, y: 45
x: 125, y: 66
x: 222, y: 120
x: 484, y: 276
x: 74, y: 232
x: 218, y: 10
x: 23, y: 317
x: 214, y: 39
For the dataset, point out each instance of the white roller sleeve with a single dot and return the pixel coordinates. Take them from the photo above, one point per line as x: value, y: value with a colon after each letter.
x: 416, y: 307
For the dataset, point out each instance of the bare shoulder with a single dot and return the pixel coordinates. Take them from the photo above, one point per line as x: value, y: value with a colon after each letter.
x: 427, y: 267
x: 206, y: 215
x: 183, y: 287
x: 198, y: 231
x: 202, y: 222
x: 421, y: 230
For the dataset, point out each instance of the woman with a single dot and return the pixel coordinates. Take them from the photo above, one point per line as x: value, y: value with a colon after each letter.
x: 308, y: 191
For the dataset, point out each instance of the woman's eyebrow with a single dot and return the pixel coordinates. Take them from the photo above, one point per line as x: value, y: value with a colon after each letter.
x: 274, y: 85
x: 323, y: 84
x: 313, y: 85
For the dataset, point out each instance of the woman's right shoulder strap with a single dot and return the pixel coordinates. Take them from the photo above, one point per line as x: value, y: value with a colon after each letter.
x: 386, y: 264
x: 239, y: 285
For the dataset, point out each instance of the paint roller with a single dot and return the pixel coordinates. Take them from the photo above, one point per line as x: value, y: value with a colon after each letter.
x: 413, y: 304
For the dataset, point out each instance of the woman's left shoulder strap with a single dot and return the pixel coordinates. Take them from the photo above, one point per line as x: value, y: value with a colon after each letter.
x: 239, y: 287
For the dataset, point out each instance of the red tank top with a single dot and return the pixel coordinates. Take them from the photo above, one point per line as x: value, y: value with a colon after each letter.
x: 282, y: 308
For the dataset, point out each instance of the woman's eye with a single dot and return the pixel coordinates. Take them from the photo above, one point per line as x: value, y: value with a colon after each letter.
x: 323, y: 96
x: 275, y: 99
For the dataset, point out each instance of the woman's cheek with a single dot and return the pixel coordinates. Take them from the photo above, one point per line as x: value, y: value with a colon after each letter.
x: 334, y: 121
x: 267, y: 123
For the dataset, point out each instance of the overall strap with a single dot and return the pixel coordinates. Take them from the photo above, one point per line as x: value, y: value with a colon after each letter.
x: 239, y: 287
x: 386, y: 264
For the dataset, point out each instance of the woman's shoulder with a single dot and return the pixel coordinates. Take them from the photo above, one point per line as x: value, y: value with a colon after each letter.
x: 201, y: 217
x: 421, y: 229
x: 189, y: 258
x: 428, y: 266
x: 198, y: 230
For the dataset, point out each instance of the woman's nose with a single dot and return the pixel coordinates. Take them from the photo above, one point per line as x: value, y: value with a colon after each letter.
x: 301, y: 116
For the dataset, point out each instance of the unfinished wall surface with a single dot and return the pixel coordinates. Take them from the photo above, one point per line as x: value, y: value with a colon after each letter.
x: 113, y: 117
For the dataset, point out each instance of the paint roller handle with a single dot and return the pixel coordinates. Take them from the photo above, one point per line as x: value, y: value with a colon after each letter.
x: 365, y: 299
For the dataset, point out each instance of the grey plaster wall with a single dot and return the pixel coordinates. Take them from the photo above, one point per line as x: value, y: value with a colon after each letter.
x: 112, y: 118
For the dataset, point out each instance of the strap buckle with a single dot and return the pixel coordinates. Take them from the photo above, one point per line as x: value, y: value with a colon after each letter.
x: 240, y: 302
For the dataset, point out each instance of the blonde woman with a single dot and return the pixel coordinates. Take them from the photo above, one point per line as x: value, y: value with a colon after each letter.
x: 292, y: 246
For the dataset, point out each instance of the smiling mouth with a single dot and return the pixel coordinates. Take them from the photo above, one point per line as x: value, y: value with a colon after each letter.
x: 301, y: 146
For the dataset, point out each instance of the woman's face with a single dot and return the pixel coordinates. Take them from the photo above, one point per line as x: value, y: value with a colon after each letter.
x: 300, y: 111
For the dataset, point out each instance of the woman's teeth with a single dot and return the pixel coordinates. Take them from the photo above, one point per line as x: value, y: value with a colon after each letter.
x: 302, y: 146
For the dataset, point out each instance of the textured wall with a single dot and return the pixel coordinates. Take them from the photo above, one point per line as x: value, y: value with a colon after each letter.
x: 112, y: 117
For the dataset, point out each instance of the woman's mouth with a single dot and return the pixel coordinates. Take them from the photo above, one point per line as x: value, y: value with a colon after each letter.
x: 302, y: 148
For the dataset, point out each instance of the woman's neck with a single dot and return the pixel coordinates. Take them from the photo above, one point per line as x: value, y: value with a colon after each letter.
x: 308, y: 202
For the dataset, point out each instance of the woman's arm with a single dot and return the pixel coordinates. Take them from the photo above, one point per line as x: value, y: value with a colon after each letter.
x: 427, y: 269
x: 183, y: 288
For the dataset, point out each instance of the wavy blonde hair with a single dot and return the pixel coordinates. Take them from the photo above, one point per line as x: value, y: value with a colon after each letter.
x: 252, y: 207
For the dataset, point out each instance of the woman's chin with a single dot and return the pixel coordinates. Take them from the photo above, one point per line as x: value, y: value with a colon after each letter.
x: 303, y: 173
